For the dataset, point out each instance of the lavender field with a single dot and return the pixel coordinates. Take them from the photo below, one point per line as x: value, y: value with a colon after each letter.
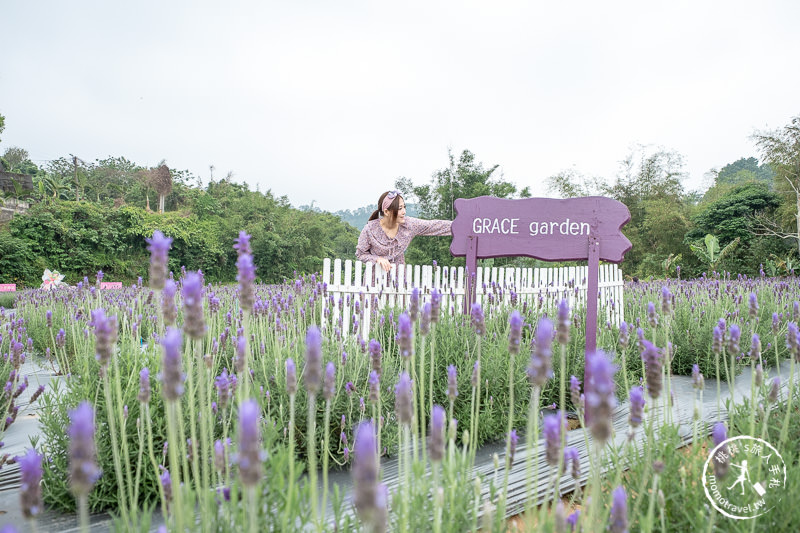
x: 226, y: 408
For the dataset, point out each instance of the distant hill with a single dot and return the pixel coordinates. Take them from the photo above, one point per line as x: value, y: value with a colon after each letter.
x: 358, y: 217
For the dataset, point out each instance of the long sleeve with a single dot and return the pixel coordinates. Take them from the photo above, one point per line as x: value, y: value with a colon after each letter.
x: 364, y: 248
x: 430, y: 227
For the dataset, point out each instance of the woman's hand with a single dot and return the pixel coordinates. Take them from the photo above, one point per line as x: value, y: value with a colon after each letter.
x: 385, y: 264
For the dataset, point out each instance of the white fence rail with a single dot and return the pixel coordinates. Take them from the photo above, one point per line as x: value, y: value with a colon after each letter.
x: 357, y: 291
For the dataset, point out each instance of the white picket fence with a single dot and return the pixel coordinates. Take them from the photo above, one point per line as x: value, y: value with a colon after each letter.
x: 357, y: 291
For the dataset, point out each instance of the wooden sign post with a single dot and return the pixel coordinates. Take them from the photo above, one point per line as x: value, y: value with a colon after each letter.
x: 575, y: 229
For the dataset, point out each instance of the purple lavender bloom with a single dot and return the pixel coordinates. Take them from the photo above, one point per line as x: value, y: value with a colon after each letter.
x: 436, y: 438
x: 194, y: 323
x: 753, y: 305
x: 623, y: 335
x: 166, y: 484
x: 414, y: 304
x: 241, y: 354
x: 30, y: 492
x: 168, y: 308
x: 563, y: 323
x: 224, y: 390
x: 792, y: 340
x: 652, y: 358
x: 618, y: 521
x: 718, y: 336
x: 513, y: 440
x: 637, y: 407
x: 452, y: 383
x: 246, y: 276
x: 540, y: 368
x: 365, y: 473
x: 759, y: 376
x: 242, y: 244
x: 61, y: 338
x: 144, y: 385
x: 552, y: 427
x: 575, y: 391
x: 697, y: 378
x: 477, y: 320
x: 405, y: 335
x: 666, y: 301
x: 219, y: 457
x: 329, y: 384
x: 436, y: 305
x: 48, y: 316
x: 571, y: 457
x: 425, y: 321
x: 774, y: 390
x: 776, y: 323
x: 755, y: 347
x: 83, y: 469
x: 171, y: 369
x: 250, y: 454
x: 105, y: 332
x: 515, y: 332
x: 375, y: 355
x: 600, y: 399
x: 158, y: 247
x: 404, y: 399
x: 349, y: 388
x: 733, y: 340
x: 291, y: 377
x: 374, y: 387
x: 651, y: 314
x: 313, y: 371
x: 722, y: 459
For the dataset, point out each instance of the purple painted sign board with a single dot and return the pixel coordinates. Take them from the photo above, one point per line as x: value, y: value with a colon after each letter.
x: 575, y: 229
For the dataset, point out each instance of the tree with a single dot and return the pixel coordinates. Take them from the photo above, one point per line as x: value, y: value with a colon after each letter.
x: 2, y: 123
x: 781, y: 149
x: 463, y: 178
x: 160, y: 179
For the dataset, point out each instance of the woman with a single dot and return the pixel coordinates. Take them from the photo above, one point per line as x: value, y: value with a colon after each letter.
x: 389, y: 232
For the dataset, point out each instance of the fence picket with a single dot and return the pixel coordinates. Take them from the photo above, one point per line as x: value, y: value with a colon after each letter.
x: 350, y: 281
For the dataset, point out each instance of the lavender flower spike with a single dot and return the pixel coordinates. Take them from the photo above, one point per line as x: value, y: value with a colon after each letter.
x: 540, y: 367
x: 374, y: 383
x: 600, y: 400
x: 365, y: 473
x: 250, y: 454
x: 563, y: 322
x: 246, y: 276
x: 158, y: 247
x: 637, y: 407
x: 552, y: 427
x: 313, y: 371
x: 30, y: 473
x: 618, y: 522
x: 405, y: 335
x: 575, y: 391
x: 722, y: 458
x: 168, y: 308
x: 329, y: 384
x: 452, y: 383
x: 144, y: 385
x: 515, y: 332
x: 652, y: 362
x: 425, y: 319
x: 105, y: 332
x: 413, y: 307
x: 83, y: 469
x: 477, y: 319
x: 171, y: 368
x: 242, y: 244
x: 513, y: 440
x: 404, y: 399
x: 194, y: 323
x: 733, y: 340
x: 375, y: 355
x: 291, y: 377
x: 436, y: 438
x: 436, y: 305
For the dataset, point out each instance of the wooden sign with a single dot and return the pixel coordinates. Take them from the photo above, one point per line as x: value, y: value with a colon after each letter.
x: 575, y: 229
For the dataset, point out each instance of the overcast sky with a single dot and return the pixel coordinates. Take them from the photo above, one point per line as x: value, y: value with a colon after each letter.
x: 331, y: 101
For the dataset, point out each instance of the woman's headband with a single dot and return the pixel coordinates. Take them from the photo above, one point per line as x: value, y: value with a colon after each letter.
x: 388, y: 199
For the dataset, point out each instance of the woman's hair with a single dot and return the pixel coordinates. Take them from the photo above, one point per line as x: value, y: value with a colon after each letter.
x: 393, y: 208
